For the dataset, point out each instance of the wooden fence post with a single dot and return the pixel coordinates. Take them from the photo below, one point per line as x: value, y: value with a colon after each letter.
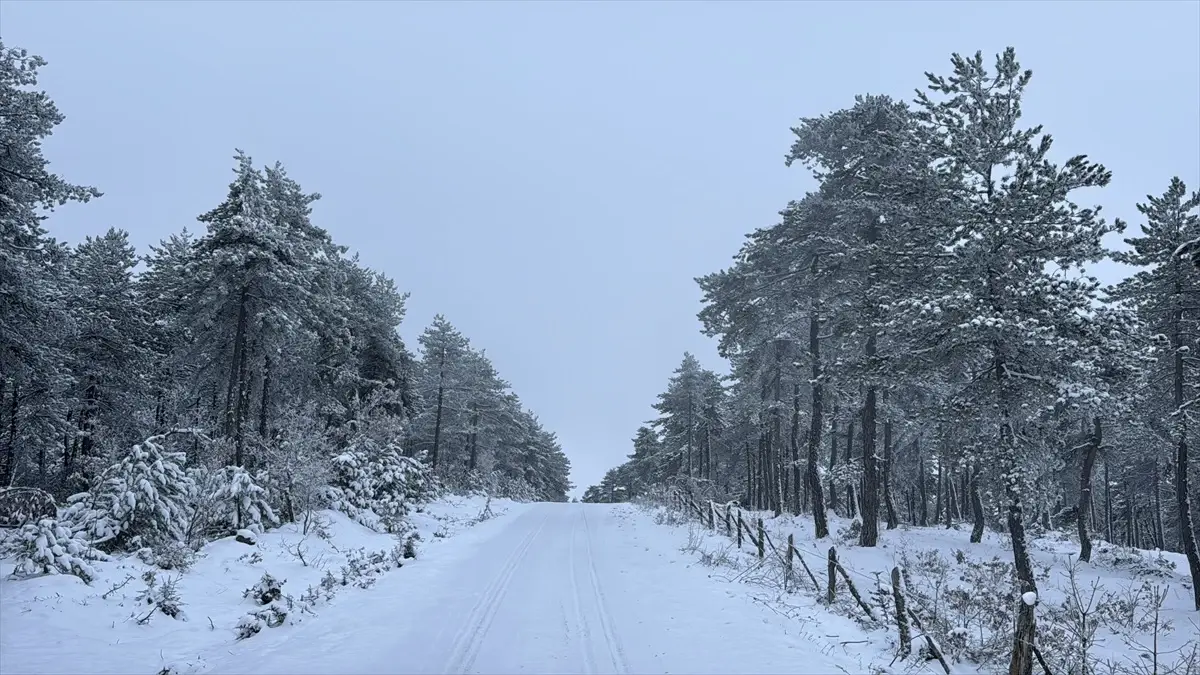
x: 787, y: 577
x: 712, y: 516
x: 728, y: 528
x: 739, y: 525
x: 901, y: 615
x: 831, y: 593
x: 762, y: 540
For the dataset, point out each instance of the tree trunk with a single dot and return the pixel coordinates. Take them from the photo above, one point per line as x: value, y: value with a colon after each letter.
x: 888, y: 501
x: 977, y: 515
x: 473, y: 440
x: 869, y: 534
x: 921, y: 489
x: 797, y: 505
x: 1026, y: 628
x: 437, y: 416
x: 264, y: 420
x: 820, y: 519
x: 1085, y: 490
x: 851, y: 502
x: 1108, y: 515
x: 833, y: 452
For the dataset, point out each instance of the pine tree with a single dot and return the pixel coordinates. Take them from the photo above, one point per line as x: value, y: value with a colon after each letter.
x: 1023, y: 329
x: 1163, y: 291
x: 34, y: 322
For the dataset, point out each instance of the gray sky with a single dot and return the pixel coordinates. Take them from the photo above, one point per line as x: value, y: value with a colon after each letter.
x: 552, y: 176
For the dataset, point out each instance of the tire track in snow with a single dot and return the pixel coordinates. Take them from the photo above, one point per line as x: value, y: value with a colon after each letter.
x: 616, y: 653
x: 584, y: 632
x: 470, y: 637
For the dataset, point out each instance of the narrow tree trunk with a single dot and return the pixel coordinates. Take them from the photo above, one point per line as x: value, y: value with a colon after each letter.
x: 921, y: 489
x: 1187, y: 532
x: 1159, y: 532
x: 888, y: 501
x: 833, y: 453
x: 851, y: 502
x: 820, y: 519
x: 232, y: 388
x: 264, y: 420
x: 937, y: 507
x: 1085, y: 490
x: 1108, y: 514
x: 977, y: 515
x: 797, y: 505
x: 473, y: 441
x: 690, y: 433
x: 1026, y: 628
x: 869, y: 534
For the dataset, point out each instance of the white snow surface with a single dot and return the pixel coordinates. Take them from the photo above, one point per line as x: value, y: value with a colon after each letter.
x: 562, y: 588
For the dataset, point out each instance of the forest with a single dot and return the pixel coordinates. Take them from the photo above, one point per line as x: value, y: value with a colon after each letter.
x: 236, y: 376
x: 920, y: 341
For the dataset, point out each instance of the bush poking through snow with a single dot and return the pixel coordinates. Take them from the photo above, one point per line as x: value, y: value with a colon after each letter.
x: 267, y: 590
x: 271, y: 616
x: 162, y: 597
x: 170, y: 556
x: 46, y: 547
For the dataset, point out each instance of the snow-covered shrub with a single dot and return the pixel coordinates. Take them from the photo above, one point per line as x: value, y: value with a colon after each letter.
x: 169, y: 556
x: 161, y: 597
x: 144, y: 495
x: 241, y: 502
x: 22, y: 505
x: 47, y: 547
x: 271, y: 616
x: 268, y: 589
x: 1143, y: 565
x: 267, y: 592
x: 375, y: 485
x: 300, y: 470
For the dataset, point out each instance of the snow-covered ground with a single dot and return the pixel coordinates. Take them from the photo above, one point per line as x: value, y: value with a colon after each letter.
x: 539, y: 588
x: 57, y: 624
x: 563, y: 588
x: 964, y: 583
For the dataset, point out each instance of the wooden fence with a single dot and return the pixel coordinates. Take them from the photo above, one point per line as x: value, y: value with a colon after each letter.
x: 735, y: 526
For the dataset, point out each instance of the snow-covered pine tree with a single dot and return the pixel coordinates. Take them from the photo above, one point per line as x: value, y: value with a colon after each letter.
x: 34, y: 321
x: 1163, y: 291
x: 109, y: 356
x: 1010, y: 301
x: 142, y: 498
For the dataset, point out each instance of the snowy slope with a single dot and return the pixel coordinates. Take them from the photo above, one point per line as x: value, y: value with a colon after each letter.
x: 1120, y: 576
x: 57, y: 624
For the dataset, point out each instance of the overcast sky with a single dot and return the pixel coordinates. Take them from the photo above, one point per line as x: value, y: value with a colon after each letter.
x: 552, y: 176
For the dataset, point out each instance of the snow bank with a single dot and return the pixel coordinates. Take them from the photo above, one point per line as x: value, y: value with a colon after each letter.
x: 120, y: 623
x: 967, y: 579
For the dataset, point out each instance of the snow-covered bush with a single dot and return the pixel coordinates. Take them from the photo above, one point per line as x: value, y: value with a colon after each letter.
x: 169, y: 556
x: 144, y: 495
x: 375, y: 485
x: 160, y: 597
x: 1143, y: 565
x: 268, y: 589
x: 22, y: 505
x: 241, y: 502
x: 47, y: 547
x: 271, y: 616
x: 267, y: 592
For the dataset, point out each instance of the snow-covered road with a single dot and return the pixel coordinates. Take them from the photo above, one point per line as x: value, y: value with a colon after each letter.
x: 557, y: 588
